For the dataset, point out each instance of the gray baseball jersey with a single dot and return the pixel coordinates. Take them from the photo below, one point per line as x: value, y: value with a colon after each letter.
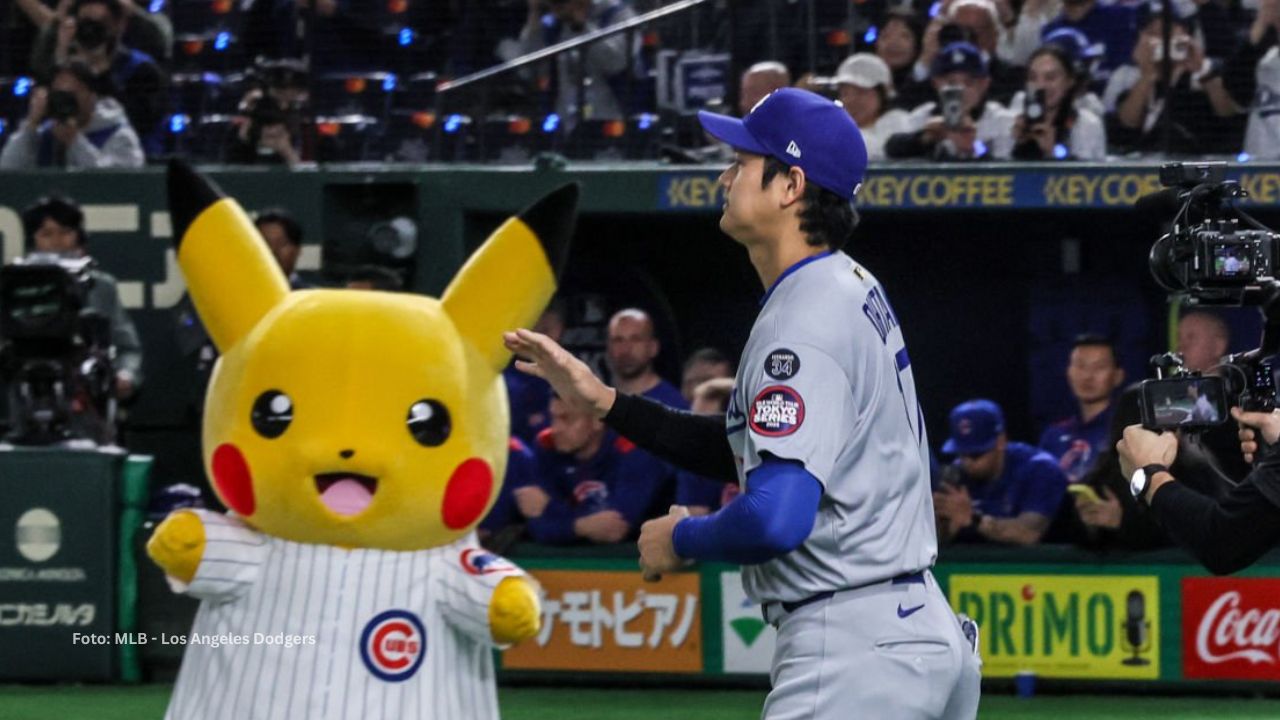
x: 290, y: 630
x: 825, y: 380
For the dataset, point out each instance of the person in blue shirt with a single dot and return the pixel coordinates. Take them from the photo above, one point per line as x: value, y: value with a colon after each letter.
x: 630, y: 349
x: 1006, y: 492
x: 529, y: 396
x: 1094, y: 374
x: 593, y: 484
x: 504, y: 522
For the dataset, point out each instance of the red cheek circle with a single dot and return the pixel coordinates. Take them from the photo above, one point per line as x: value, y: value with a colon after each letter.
x: 467, y: 493
x: 232, y: 477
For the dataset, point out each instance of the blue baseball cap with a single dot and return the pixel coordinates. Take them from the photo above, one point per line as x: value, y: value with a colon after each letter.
x: 801, y: 129
x: 1075, y: 43
x: 975, y: 426
x: 962, y: 56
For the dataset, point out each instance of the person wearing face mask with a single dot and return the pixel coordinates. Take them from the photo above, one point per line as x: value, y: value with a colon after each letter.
x: 69, y: 125
x: 1049, y: 124
x: 93, y: 33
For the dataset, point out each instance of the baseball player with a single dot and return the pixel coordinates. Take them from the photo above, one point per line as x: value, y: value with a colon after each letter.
x: 835, y: 523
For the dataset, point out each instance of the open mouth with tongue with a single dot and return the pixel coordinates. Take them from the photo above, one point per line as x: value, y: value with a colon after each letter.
x: 346, y: 493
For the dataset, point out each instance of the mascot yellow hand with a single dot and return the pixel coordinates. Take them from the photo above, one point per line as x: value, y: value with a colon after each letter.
x: 178, y: 545
x: 515, y: 613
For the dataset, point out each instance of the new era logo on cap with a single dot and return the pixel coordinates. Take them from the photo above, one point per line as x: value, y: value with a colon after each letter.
x: 793, y: 150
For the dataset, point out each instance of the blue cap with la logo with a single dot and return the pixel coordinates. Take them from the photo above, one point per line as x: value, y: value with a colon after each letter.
x: 802, y: 129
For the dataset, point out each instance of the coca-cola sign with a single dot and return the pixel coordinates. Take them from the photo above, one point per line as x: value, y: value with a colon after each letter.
x: 1231, y: 628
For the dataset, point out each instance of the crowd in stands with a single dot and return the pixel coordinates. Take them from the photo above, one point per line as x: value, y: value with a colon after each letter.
x: 118, y: 83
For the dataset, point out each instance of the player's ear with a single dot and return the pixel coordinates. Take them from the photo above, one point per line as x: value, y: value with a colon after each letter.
x: 508, y: 282
x: 230, y: 272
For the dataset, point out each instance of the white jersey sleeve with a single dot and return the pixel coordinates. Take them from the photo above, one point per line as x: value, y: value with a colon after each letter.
x: 232, y: 562
x: 799, y: 407
x: 470, y: 576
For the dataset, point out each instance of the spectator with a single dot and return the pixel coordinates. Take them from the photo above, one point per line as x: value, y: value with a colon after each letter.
x: 1060, y: 129
x: 865, y: 88
x: 705, y: 364
x: 630, y: 349
x: 758, y: 81
x: 977, y: 129
x: 1111, y: 27
x: 283, y: 234
x: 703, y: 496
x: 1085, y: 57
x: 69, y: 125
x: 1093, y: 373
x: 594, y: 485
x: 898, y: 45
x: 981, y: 18
x: 1203, y: 116
x: 267, y: 132
x: 373, y: 277
x: 504, y: 524
x: 1203, y: 339
x: 94, y: 34
x: 1254, y: 81
x: 55, y: 224
x: 1005, y: 492
x: 151, y: 33
x: 530, y: 396
x: 600, y: 64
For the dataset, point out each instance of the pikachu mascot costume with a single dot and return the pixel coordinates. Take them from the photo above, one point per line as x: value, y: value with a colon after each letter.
x: 357, y: 438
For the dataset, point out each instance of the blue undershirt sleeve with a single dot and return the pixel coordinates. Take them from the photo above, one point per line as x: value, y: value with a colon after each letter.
x: 773, y: 517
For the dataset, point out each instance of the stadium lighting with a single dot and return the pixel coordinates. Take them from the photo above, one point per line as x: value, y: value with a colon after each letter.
x: 179, y: 123
x: 22, y: 86
x: 1243, y: 157
x: 551, y: 123
x: 452, y: 123
x: 405, y: 37
x: 1060, y: 151
x: 872, y: 33
x: 221, y: 42
x: 389, y: 82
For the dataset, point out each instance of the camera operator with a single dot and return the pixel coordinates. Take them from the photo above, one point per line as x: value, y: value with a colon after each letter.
x: 962, y: 124
x: 55, y: 225
x: 69, y: 125
x: 1227, y: 534
x: 271, y: 118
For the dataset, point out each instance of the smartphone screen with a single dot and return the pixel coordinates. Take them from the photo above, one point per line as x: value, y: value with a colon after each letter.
x: 1184, y: 403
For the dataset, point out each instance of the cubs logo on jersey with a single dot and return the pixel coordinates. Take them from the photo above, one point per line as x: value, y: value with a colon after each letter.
x: 776, y: 411
x: 480, y: 562
x: 393, y: 645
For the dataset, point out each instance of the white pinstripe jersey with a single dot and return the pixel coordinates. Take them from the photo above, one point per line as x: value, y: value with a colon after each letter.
x: 394, y: 634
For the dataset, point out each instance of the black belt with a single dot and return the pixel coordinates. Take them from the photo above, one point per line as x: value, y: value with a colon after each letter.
x: 903, y: 579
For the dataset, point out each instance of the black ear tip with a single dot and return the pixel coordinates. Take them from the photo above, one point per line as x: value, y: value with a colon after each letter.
x: 552, y: 219
x: 189, y: 194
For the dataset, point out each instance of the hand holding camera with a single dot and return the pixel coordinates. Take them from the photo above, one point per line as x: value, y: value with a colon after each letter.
x: 1141, y: 447
x: 38, y: 106
x: 1256, y: 429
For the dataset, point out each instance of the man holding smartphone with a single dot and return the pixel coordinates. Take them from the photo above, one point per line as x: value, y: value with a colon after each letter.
x: 962, y: 124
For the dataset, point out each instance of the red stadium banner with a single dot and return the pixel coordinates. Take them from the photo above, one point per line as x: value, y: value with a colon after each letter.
x: 1231, y: 628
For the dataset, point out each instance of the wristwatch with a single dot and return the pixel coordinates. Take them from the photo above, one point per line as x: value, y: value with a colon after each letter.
x: 1141, y: 479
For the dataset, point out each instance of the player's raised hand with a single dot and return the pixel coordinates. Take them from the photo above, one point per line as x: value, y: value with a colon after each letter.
x: 539, y: 355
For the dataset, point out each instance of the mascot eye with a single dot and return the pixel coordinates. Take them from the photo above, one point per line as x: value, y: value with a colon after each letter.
x: 272, y: 413
x: 429, y: 422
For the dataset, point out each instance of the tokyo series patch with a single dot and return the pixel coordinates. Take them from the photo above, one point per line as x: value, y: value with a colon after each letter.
x: 776, y: 411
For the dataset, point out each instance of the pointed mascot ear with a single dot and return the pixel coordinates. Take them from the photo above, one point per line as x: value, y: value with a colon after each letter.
x: 230, y: 272
x: 509, y: 280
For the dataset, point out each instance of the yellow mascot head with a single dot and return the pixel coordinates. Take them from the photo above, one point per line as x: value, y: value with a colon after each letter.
x: 359, y: 418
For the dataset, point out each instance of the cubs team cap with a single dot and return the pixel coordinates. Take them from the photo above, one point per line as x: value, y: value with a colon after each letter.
x: 802, y: 129
x: 975, y: 426
x: 959, y: 56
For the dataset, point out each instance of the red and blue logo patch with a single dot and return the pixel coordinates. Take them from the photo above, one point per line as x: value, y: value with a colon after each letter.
x: 477, y: 561
x: 393, y: 645
x: 776, y: 411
